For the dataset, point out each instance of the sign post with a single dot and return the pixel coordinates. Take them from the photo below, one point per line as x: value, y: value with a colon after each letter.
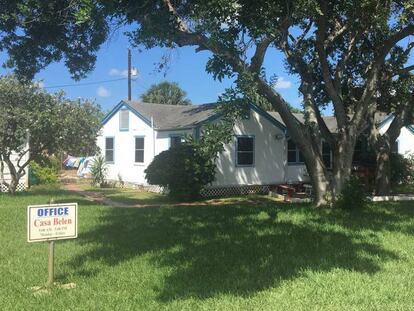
x: 51, y: 263
x: 50, y: 223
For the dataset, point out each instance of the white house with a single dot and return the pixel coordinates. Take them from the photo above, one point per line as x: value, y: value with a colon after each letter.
x: 260, y: 154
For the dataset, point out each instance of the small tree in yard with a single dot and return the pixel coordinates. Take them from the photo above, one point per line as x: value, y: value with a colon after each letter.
x: 35, y: 123
x: 187, y: 168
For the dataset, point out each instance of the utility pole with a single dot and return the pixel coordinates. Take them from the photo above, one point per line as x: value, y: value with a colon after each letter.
x: 129, y: 74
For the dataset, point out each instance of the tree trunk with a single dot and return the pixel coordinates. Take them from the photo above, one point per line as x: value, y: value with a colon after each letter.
x: 15, y: 174
x: 342, y: 164
x: 14, y: 182
x: 383, y: 171
x: 320, y: 182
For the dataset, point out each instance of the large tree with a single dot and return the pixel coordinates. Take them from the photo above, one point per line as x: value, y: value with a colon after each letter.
x: 337, y: 49
x: 167, y: 93
x: 35, y: 123
x: 396, y: 97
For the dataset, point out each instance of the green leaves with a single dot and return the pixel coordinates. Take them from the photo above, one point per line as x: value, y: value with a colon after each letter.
x: 167, y: 93
x: 53, y: 123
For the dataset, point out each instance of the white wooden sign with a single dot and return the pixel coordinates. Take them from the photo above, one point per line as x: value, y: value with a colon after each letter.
x: 52, y: 222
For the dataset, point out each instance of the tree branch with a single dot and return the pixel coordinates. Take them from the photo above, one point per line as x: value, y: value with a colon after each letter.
x: 258, y: 57
x: 337, y: 102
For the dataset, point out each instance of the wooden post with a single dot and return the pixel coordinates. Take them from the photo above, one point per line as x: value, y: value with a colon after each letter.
x: 51, y: 263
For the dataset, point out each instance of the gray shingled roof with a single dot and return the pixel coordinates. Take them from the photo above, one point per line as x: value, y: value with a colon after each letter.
x: 177, y: 117
x: 173, y: 116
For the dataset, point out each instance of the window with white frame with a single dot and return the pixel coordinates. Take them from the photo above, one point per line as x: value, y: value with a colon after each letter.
x: 244, y: 150
x: 109, y: 149
x: 124, y: 120
x: 293, y: 153
x: 327, y: 154
x: 139, y: 149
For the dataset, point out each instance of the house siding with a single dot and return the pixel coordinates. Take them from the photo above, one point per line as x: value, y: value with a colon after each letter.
x: 269, y: 158
x: 124, y: 148
x: 405, y: 140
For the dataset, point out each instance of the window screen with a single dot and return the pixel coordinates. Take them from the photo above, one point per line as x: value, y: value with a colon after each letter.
x: 124, y: 119
x: 245, y: 151
x: 109, y: 149
x: 294, y: 155
x: 326, y: 154
x: 175, y: 140
x: 139, y: 149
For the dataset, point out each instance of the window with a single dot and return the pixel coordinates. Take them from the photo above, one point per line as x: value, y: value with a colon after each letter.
x: 175, y: 140
x: 245, y: 151
x: 357, y: 159
x: 326, y: 154
x: 394, y: 147
x: 293, y: 154
x: 124, y: 120
x: 109, y: 149
x: 139, y: 149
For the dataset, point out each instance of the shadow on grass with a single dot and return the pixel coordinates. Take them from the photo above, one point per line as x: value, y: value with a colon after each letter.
x: 388, y: 216
x: 133, y: 197
x: 212, y: 250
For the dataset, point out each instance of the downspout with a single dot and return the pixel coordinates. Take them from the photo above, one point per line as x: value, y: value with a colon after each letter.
x: 153, y: 138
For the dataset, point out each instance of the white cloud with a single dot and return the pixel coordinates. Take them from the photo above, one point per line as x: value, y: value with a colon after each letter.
x: 103, y: 92
x: 281, y: 83
x: 122, y: 73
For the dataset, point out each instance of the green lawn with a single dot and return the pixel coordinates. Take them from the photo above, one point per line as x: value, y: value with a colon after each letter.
x: 245, y: 255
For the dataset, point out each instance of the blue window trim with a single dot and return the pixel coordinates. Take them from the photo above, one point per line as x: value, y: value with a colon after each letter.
x: 113, y: 150
x: 120, y: 128
x: 236, y: 151
x: 297, y: 163
x: 139, y: 136
x: 174, y: 135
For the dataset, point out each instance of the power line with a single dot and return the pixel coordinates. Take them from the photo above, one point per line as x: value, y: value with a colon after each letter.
x: 82, y: 84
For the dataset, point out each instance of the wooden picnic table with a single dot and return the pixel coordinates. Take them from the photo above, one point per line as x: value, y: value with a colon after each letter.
x: 288, y: 190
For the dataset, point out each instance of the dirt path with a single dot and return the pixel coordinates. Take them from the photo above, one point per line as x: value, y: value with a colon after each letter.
x: 94, y: 196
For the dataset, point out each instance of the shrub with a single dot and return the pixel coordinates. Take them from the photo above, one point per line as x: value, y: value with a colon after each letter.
x: 353, y: 195
x: 99, y: 171
x: 184, y: 170
x: 45, y: 172
x: 402, y: 169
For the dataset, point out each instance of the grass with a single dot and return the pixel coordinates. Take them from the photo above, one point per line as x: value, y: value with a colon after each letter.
x: 403, y: 189
x: 249, y: 254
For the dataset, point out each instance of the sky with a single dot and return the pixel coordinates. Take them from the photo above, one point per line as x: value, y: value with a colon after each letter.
x: 185, y: 67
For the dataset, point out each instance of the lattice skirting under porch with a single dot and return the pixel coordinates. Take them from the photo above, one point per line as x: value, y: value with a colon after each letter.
x: 209, y: 192
x: 20, y: 187
x: 235, y: 190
